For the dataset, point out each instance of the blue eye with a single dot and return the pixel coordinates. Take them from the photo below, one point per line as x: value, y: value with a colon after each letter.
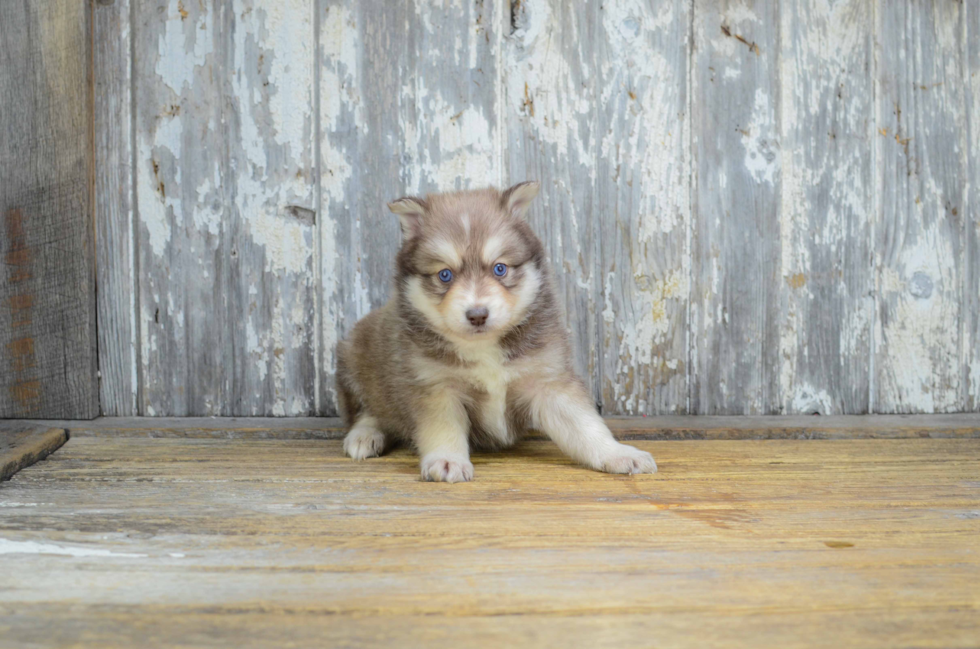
x: 500, y: 270
x: 446, y: 275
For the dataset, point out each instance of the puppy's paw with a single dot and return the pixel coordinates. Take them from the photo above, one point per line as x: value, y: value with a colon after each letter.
x: 363, y: 441
x: 628, y: 459
x: 446, y: 468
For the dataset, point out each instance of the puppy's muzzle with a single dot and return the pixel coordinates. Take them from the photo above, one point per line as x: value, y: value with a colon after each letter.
x: 477, y: 316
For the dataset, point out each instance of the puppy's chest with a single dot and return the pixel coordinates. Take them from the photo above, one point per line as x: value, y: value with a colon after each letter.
x: 487, y: 373
x: 482, y: 373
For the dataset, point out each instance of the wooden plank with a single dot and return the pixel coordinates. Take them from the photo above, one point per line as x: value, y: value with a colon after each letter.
x: 394, y: 120
x: 922, y: 176
x: 115, y: 241
x: 47, y: 283
x: 22, y: 445
x: 666, y: 427
x: 272, y: 163
x: 224, y: 170
x: 550, y: 76
x: 971, y: 286
x: 124, y: 627
x: 736, y: 282
x: 643, y: 196
x: 860, y: 543
x: 367, y: 113
x: 183, y: 267
x: 455, y: 55
x: 826, y: 115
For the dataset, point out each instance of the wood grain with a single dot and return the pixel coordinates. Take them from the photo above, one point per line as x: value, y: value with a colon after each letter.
x: 47, y: 281
x: 922, y: 176
x: 225, y: 187
x: 970, y: 363
x: 118, y: 330
x: 750, y: 208
x: 395, y: 120
x: 666, y: 427
x: 267, y: 543
x: 22, y: 445
x: 736, y: 260
x: 550, y: 91
x: 643, y: 206
x: 826, y: 122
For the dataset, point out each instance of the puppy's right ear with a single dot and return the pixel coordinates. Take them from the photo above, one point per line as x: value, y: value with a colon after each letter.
x: 410, y: 211
x: 516, y: 200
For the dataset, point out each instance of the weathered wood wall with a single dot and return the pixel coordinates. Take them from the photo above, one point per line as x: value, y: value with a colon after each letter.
x: 759, y: 206
x: 47, y: 278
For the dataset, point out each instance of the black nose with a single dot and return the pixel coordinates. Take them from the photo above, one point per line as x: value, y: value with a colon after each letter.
x: 477, y: 316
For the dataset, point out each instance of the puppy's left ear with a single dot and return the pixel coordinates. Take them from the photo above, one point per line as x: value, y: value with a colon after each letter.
x: 517, y: 199
x: 410, y: 211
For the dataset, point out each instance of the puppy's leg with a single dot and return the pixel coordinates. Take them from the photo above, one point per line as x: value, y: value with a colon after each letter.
x: 566, y: 414
x: 441, y: 438
x: 365, y: 439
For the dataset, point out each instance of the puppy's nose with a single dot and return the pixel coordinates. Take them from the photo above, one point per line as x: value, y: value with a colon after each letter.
x: 477, y: 316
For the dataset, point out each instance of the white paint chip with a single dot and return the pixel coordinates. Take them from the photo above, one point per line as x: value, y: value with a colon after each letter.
x: 33, y: 547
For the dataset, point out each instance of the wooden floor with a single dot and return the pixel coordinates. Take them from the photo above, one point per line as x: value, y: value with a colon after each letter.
x: 136, y: 542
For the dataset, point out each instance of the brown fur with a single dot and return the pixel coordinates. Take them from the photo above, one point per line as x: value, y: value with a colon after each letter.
x: 417, y: 369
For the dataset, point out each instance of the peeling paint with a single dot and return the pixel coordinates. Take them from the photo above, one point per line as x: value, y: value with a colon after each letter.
x: 194, y: 39
x: 761, y: 150
x: 226, y: 153
x: 33, y: 547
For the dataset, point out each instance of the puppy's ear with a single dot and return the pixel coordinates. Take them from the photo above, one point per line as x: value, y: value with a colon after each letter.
x: 410, y: 211
x: 517, y: 199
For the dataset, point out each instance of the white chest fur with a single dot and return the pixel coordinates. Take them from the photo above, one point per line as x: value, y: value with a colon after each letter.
x: 486, y: 373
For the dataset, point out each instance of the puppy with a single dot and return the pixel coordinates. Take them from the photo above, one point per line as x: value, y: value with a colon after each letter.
x: 470, y: 351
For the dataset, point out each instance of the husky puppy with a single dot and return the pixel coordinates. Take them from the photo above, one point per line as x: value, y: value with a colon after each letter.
x: 470, y: 351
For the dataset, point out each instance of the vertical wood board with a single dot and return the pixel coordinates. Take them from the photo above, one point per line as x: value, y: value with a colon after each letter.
x: 549, y: 83
x: 225, y: 192
x: 408, y: 105
x: 736, y: 279
x: 826, y: 117
x: 643, y: 205
x: 970, y: 365
x: 115, y: 240
x: 920, y: 243
x: 47, y: 279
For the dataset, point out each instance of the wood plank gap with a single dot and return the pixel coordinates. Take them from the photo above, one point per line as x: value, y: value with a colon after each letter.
x: 318, y: 209
x: 670, y: 427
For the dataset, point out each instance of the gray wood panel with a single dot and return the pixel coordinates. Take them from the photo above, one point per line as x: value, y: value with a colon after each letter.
x: 826, y: 118
x: 47, y: 279
x: 970, y: 365
x: 115, y: 240
x: 643, y: 205
x: 739, y: 217
x: 736, y: 276
x: 367, y: 111
x: 395, y: 119
x: 550, y: 76
x: 225, y: 196
x: 922, y: 176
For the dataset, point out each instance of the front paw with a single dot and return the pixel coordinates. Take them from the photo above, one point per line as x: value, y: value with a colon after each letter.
x: 628, y: 459
x: 363, y: 441
x: 446, y: 468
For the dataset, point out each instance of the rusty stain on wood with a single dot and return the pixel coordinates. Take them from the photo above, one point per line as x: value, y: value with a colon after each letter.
x: 24, y: 389
x: 47, y: 283
x: 752, y: 46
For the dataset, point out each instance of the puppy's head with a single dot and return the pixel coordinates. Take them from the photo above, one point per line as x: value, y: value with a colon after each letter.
x: 469, y: 263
